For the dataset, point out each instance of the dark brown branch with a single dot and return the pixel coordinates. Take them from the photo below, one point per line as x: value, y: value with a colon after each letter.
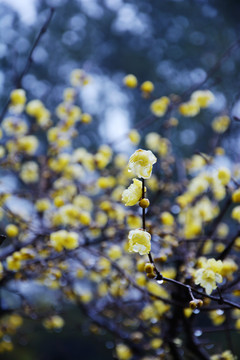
x: 218, y: 299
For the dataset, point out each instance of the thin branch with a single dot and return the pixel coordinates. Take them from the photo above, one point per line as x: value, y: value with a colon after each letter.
x: 218, y: 299
x: 217, y: 65
x: 228, y: 248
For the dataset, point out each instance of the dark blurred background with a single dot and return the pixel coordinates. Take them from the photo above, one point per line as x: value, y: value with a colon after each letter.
x: 173, y: 43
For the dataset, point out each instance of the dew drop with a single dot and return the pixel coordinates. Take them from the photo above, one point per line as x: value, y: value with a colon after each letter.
x: 198, y: 333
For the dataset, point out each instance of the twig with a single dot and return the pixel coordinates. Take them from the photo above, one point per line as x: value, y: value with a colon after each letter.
x: 218, y: 299
x: 228, y: 248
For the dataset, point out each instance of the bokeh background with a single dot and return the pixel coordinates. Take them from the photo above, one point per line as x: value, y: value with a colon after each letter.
x: 174, y: 43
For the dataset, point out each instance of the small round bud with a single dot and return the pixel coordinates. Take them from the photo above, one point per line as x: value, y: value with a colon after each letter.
x: 193, y: 304
x: 200, y: 303
x: 136, y: 336
x: 149, y: 268
x: 144, y: 203
x: 11, y: 230
x: 140, y: 265
x: 151, y: 275
x: 196, y: 303
x: 162, y: 258
x: 147, y: 86
x: 130, y: 81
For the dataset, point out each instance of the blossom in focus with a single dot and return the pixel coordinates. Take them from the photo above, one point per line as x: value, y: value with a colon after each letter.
x: 141, y: 162
x: 139, y: 241
x: 209, y: 275
x: 133, y: 193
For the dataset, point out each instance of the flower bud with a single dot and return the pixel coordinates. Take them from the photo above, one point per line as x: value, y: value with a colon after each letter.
x: 144, y: 203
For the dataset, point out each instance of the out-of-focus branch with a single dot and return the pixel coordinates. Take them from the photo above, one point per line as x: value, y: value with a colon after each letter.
x: 234, y: 46
x: 228, y: 248
x: 29, y: 60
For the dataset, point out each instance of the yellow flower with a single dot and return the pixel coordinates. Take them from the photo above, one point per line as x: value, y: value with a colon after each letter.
x: 28, y: 144
x: 14, y: 261
x: 54, y: 322
x: 114, y: 252
x: 18, y: 97
x: 209, y: 275
x: 224, y: 175
x: 86, y: 118
x: 11, y: 230
x: 226, y: 355
x: 190, y: 108
x: 64, y: 239
x: 167, y: 218
x: 130, y: 81
x: 203, y: 97
x: 134, y: 221
x: 69, y: 95
x: 236, y: 213
x: 141, y: 162
x: 153, y: 141
x: 42, y: 204
x: 236, y: 196
x: 134, y: 136
x: 29, y: 172
x: 71, y: 241
x: 159, y: 107
x: 78, y: 77
x: 217, y: 317
x: 147, y: 87
x: 14, y: 126
x: 133, y: 193
x: 123, y: 352
x: 220, y: 124
x: 139, y: 241
x: 106, y: 182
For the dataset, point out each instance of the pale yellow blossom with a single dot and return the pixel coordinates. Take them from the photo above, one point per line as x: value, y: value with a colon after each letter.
x: 141, y: 162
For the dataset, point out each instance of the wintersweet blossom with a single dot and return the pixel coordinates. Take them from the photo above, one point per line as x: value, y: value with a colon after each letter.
x: 141, y: 162
x: 130, y: 81
x: 159, y: 106
x: 203, y: 97
x: 133, y: 193
x: 209, y: 275
x: 123, y: 352
x: 139, y: 241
